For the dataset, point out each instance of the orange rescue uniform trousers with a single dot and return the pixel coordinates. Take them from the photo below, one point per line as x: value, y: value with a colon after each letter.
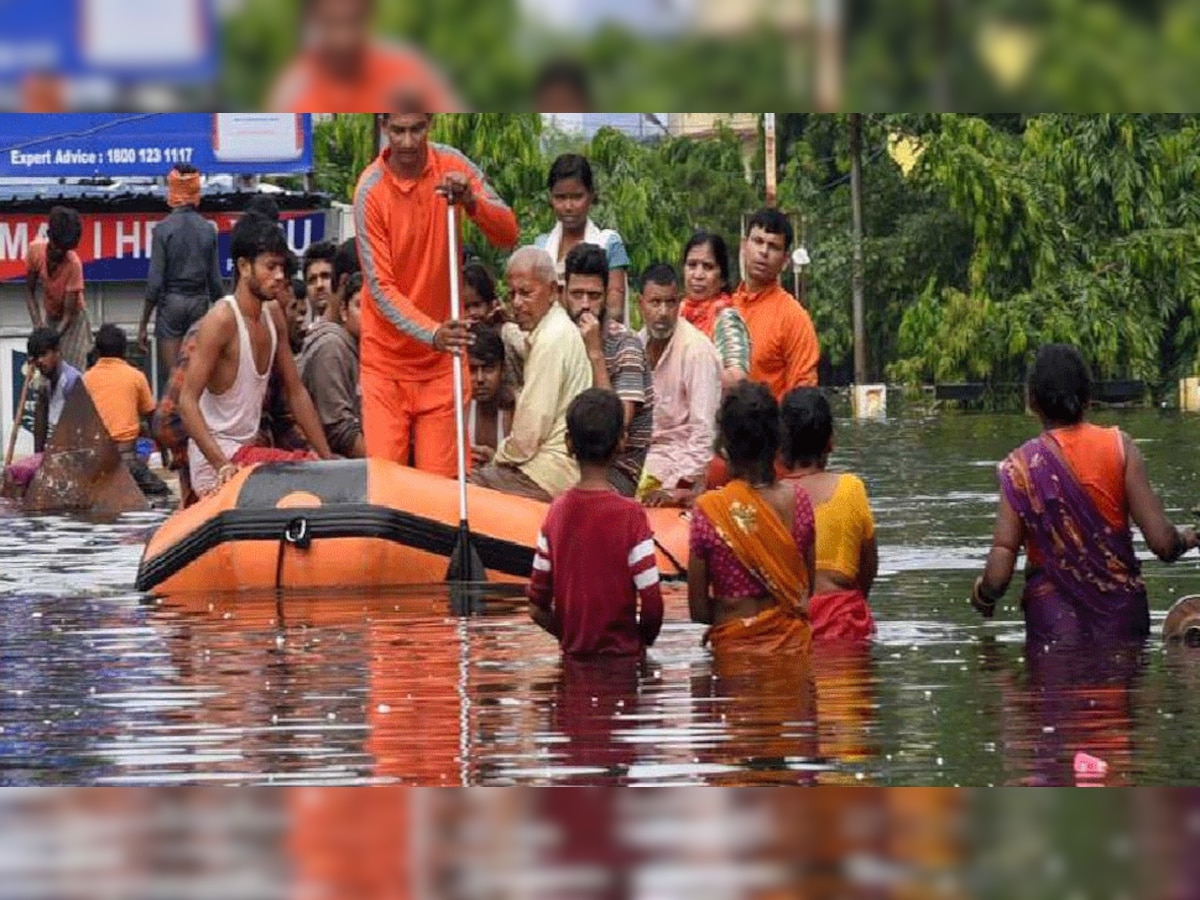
x: 412, y: 422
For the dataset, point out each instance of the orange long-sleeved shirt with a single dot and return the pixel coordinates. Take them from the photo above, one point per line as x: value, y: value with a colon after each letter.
x: 388, y: 75
x: 784, y: 350
x: 403, y: 248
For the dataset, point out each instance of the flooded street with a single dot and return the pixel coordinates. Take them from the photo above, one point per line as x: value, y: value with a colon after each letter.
x: 100, y: 686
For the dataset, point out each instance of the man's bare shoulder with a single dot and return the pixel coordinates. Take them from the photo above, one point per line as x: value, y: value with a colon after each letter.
x: 275, y: 311
x: 219, y: 323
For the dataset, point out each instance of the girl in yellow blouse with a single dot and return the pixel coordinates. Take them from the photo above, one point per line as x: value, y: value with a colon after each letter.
x: 847, y: 555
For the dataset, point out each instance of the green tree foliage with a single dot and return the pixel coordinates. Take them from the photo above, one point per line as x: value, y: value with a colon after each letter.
x: 343, y: 145
x: 654, y: 194
x: 1083, y: 229
x: 1011, y: 231
x: 910, y: 234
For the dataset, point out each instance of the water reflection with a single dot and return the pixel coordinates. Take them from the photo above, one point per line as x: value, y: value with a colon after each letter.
x: 99, y: 686
x: 763, y: 713
x: 1057, y: 705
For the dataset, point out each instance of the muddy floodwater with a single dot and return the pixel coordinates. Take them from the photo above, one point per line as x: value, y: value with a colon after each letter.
x: 98, y: 685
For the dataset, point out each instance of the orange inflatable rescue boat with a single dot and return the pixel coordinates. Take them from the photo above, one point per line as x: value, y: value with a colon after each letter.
x: 352, y: 524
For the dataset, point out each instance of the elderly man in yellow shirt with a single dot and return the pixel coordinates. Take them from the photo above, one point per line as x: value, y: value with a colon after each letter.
x: 533, y: 461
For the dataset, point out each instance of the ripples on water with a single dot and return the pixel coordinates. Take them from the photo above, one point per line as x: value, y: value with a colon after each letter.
x: 98, y: 686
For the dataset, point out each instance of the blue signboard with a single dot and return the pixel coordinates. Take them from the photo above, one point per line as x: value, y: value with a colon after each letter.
x: 148, y: 40
x: 83, y: 145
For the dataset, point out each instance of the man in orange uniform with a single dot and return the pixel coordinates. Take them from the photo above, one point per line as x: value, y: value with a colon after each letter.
x: 784, y: 351
x: 341, y: 68
x: 407, y: 336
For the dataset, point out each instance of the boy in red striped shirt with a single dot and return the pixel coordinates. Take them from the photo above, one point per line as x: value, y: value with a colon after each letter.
x: 595, y: 556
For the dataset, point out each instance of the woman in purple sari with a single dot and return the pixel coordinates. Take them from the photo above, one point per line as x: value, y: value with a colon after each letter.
x: 1067, y: 497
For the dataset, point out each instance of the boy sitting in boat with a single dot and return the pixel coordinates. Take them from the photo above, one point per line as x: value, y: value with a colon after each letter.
x: 329, y: 369
x: 490, y: 412
x: 52, y: 381
x: 58, y: 379
x: 121, y: 395
x: 482, y: 307
x: 595, y: 553
x: 238, y: 346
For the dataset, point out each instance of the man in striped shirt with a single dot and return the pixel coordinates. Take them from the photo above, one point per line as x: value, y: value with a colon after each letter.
x: 595, y: 557
x: 618, y: 360
x: 400, y: 210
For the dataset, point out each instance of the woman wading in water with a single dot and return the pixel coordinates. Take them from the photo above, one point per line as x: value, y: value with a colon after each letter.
x: 847, y: 556
x: 1067, y: 497
x: 750, y: 571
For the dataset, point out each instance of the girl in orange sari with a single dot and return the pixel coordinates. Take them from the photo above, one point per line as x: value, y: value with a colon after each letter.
x: 847, y: 555
x: 750, y: 571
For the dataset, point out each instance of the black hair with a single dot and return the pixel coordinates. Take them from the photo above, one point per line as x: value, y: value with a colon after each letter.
x: 567, y: 73
x: 595, y: 423
x: 309, y: 4
x: 321, y: 251
x: 111, y: 342
x: 488, y: 349
x: 185, y: 169
x: 345, y: 261
x: 772, y: 221
x: 571, y: 165
x: 291, y: 265
x: 719, y: 249
x: 478, y: 277
x: 263, y: 205
x: 587, y: 259
x: 354, y: 283
x: 65, y: 228
x: 299, y: 289
x: 807, y: 426
x: 748, y: 432
x: 40, y: 341
x: 254, y: 235
x: 1060, y: 384
x: 660, y: 274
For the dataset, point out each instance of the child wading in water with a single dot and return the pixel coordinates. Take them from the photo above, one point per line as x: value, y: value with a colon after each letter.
x: 490, y: 412
x: 595, y: 557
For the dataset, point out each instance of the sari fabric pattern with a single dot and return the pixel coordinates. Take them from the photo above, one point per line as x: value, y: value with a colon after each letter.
x: 1090, y: 588
x: 763, y: 544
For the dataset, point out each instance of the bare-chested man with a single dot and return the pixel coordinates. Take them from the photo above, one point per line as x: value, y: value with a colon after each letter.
x: 237, y: 347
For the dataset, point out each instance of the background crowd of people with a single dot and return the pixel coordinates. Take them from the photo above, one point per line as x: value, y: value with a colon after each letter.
x: 711, y: 406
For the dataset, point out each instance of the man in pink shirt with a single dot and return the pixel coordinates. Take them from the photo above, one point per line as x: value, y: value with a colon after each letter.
x: 687, y: 392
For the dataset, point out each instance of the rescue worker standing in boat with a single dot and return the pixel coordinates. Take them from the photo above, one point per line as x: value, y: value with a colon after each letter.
x: 407, y: 334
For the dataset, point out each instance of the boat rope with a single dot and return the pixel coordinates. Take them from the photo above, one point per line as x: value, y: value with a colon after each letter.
x: 296, y: 533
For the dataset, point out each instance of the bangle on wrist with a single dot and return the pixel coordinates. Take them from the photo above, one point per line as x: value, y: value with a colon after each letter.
x: 985, y: 596
x: 1181, y: 545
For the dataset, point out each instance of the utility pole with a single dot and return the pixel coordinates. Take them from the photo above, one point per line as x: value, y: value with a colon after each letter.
x: 769, y: 140
x: 860, y: 336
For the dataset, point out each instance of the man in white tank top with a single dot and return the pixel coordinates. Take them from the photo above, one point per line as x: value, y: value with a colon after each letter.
x: 238, y: 346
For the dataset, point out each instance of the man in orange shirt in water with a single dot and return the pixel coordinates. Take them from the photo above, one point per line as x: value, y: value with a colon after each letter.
x: 342, y: 69
x: 784, y: 351
x: 407, y: 335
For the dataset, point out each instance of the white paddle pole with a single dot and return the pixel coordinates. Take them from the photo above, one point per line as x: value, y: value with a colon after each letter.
x: 459, y: 411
